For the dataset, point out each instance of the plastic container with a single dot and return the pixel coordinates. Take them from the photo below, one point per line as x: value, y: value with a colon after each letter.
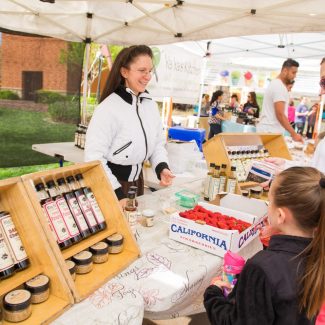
x: 187, y: 199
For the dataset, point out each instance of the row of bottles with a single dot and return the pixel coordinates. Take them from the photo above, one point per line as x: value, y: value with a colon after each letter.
x: 218, y: 182
x: 12, y: 253
x: 80, y: 136
x: 71, y: 209
x: 242, y: 158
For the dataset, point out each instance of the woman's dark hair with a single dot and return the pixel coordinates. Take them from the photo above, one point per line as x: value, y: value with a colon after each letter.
x: 254, y: 103
x: 215, y: 96
x: 302, y: 191
x: 291, y: 103
x: 123, y: 59
x: 234, y: 96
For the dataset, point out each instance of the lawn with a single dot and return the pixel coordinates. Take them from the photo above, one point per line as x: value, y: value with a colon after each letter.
x: 20, y: 129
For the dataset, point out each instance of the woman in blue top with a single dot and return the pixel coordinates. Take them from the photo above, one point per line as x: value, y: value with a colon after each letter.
x: 215, y: 114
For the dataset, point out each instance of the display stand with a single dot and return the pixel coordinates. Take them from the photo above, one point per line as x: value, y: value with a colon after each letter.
x: 13, y: 198
x: 215, y: 149
x: 95, y: 178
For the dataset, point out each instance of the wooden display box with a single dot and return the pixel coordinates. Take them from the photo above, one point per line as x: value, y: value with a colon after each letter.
x: 95, y: 178
x: 215, y: 149
x: 13, y: 198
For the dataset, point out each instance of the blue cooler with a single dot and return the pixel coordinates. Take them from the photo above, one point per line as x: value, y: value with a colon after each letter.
x: 187, y: 134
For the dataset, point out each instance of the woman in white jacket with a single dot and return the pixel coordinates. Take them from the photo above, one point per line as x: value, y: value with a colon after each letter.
x: 126, y: 129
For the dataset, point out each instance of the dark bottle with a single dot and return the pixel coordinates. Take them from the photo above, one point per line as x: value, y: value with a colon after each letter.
x: 134, y: 189
x: 84, y: 204
x: 7, y: 266
x: 54, y: 217
x: 101, y: 222
x: 13, y: 241
x: 63, y: 207
x: 74, y: 207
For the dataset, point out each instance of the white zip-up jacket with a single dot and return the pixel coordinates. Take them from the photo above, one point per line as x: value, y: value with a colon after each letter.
x: 124, y: 131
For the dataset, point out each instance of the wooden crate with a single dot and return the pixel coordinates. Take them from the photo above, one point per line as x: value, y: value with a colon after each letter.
x: 13, y: 198
x: 215, y: 149
x: 94, y: 177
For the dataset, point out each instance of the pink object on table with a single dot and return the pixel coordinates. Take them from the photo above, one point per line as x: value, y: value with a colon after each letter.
x: 233, y: 263
x: 321, y: 316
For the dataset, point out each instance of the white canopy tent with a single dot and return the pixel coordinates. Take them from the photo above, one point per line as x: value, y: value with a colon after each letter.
x: 160, y: 21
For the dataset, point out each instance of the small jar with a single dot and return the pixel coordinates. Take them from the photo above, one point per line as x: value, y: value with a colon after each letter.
x: 115, y: 243
x: 245, y: 193
x: 72, y: 268
x: 148, y: 216
x: 256, y: 192
x: 17, y: 305
x: 39, y: 287
x: 100, y: 252
x: 84, y: 262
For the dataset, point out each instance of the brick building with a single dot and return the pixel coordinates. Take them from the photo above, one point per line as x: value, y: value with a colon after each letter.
x: 31, y: 63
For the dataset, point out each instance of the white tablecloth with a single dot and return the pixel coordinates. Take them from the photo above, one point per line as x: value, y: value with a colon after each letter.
x: 166, y: 282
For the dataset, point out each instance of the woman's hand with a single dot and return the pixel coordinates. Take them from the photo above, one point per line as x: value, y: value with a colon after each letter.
x: 217, y: 281
x: 166, y: 177
x: 123, y: 203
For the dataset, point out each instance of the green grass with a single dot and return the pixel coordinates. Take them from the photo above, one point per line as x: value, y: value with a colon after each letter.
x: 18, y: 171
x: 19, y: 130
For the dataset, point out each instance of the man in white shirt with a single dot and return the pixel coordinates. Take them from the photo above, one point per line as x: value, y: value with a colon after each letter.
x: 275, y: 103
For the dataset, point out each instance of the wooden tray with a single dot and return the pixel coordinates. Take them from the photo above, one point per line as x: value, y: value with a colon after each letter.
x: 94, y: 177
x: 13, y: 198
x: 215, y: 149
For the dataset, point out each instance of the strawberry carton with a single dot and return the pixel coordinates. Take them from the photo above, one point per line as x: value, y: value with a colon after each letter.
x: 216, y: 229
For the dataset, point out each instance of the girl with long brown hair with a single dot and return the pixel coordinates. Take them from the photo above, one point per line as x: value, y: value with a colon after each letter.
x: 284, y: 284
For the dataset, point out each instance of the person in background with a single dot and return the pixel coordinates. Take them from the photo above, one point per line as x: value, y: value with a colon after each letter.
x: 311, y: 120
x: 251, y: 107
x: 301, y: 115
x: 126, y: 128
x: 205, y: 105
x: 276, y: 98
x: 284, y: 284
x: 234, y: 104
x: 291, y: 112
x: 322, y: 76
x: 216, y: 114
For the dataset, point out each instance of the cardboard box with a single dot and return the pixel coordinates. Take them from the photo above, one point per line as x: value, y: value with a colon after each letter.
x: 215, y: 240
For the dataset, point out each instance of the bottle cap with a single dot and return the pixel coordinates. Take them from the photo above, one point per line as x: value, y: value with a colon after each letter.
x: 60, y: 181
x: 70, y: 179
x: 78, y: 177
x: 39, y: 187
x: 224, y: 166
x: 50, y: 184
x: 233, y: 168
x: 131, y: 195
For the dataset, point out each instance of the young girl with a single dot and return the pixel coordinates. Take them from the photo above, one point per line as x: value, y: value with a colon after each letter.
x: 284, y: 284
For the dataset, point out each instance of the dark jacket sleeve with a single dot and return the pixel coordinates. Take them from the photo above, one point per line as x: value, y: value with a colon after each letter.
x: 249, y: 303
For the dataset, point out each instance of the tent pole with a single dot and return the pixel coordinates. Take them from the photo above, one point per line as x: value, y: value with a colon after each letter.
x: 201, y: 88
x: 85, y: 85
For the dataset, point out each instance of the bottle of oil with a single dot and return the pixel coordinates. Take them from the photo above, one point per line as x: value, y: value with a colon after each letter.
x: 232, y: 180
x: 223, y: 178
x: 13, y: 241
x: 207, y: 182
x: 84, y: 204
x: 130, y: 211
x: 74, y: 207
x: 101, y: 222
x: 65, y: 211
x: 7, y: 266
x: 214, y: 183
x: 54, y: 217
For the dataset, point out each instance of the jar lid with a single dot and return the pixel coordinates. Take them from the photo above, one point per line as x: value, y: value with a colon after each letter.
x: 256, y: 189
x: 82, y: 258
x: 71, y: 266
x: 244, y: 192
x: 148, y: 213
x: 99, y: 248
x: 17, y: 300
x: 38, y: 284
x: 115, y: 240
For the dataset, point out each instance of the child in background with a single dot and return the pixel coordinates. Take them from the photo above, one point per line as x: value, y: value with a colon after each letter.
x: 284, y: 284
